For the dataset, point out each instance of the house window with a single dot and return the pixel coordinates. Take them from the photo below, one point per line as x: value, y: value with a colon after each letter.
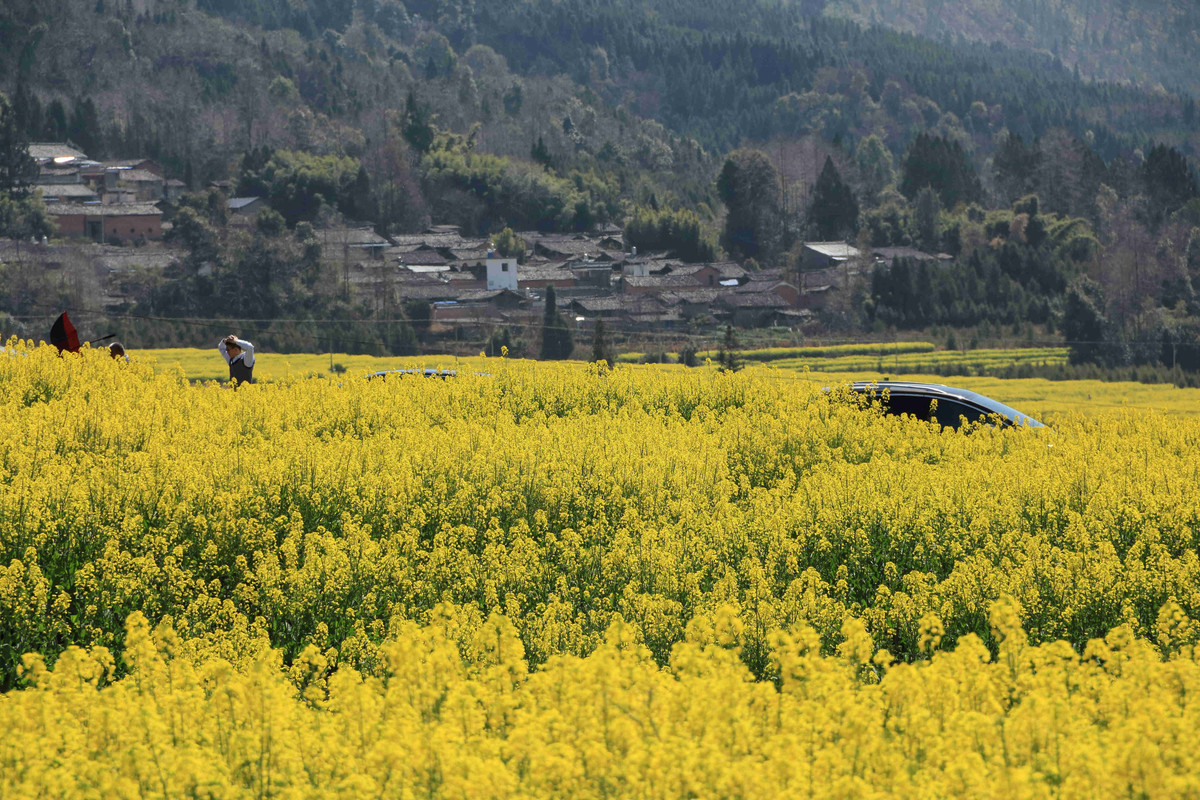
x: 504, y: 266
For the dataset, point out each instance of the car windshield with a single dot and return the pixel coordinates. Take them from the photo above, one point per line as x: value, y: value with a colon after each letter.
x: 995, y: 407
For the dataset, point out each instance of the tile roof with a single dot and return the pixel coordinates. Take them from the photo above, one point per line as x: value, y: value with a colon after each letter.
x: 351, y: 237
x: 527, y: 272
x: 761, y: 286
x: 640, y: 304
x: 436, y: 291
x: 694, y: 296
x: 753, y: 300
x: 51, y: 150
x: 484, y: 295
x: 892, y: 253
x: 435, y: 240
x: 461, y: 276
x: 424, y: 258
x: 766, y: 275
x: 833, y: 249
x: 67, y: 190
x: 686, y: 269
x: 662, y: 282
x: 469, y: 253
x: 105, y: 210
x: 138, y: 176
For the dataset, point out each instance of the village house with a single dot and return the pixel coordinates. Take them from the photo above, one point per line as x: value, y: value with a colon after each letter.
x: 693, y: 303
x: 752, y: 309
x: 626, y: 310
x: 424, y: 260
x: 538, y: 276
x: 772, y: 283
x: 67, y: 193
x: 596, y: 274
x: 351, y: 245
x: 821, y: 255
x: 107, y: 223
x: 55, y: 152
x: 145, y: 186
x: 244, y: 210
x: 890, y: 254
x: 501, y: 272
x: 468, y: 319
x: 567, y: 246
x: 659, y: 283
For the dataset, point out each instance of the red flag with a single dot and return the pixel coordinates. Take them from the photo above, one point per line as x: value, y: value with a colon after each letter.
x: 63, y: 335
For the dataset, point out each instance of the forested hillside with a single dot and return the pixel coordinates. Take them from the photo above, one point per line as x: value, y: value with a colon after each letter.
x: 1146, y: 42
x: 203, y: 82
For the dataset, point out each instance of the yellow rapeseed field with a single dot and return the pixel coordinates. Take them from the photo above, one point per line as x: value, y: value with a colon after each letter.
x: 560, y: 581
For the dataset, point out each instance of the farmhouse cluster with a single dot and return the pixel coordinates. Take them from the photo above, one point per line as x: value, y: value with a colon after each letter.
x: 469, y: 286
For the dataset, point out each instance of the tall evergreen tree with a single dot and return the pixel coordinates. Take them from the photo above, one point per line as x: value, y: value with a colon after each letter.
x: 834, y: 213
x: 749, y: 187
x: 727, y: 358
x: 1085, y: 323
x: 942, y: 165
x: 17, y: 169
x: 601, y: 350
x: 925, y: 217
x: 54, y: 128
x: 557, y: 342
x: 1015, y: 165
x: 875, y: 167
x: 84, y: 128
x: 28, y: 109
x: 1169, y: 181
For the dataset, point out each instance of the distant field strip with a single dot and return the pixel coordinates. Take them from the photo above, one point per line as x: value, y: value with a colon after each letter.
x: 203, y: 364
x: 874, y: 349
x: 919, y: 361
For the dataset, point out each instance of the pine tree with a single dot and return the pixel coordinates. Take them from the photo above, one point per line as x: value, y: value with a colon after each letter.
x: 600, y: 347
x: 17, y: 169
x: 926, y: 218
x: 834, y: 212
x: 728, y: 357
x: 557, y: 342
x: 749, y: 187
x: 943, y: 165
x: 540, y: 153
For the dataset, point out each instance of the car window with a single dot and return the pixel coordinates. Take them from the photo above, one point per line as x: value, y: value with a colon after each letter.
x: 950, y: 412
x: 906, y: 404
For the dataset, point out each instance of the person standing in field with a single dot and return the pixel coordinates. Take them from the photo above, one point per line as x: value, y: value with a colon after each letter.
x: 239, y: 354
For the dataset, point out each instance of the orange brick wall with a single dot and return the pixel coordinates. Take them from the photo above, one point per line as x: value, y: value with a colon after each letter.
x: 123, y: 228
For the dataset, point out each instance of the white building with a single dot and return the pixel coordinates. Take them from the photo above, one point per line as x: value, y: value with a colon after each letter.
x: 501, y: 272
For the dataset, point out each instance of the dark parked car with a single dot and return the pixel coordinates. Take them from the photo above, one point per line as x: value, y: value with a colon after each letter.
x: 428, y: 372
x: 425, y: 373
x: 904, y: 397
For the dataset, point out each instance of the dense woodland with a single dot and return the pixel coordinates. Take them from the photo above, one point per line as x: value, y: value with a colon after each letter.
x: 1067, y: 204
x: 1147, y: 42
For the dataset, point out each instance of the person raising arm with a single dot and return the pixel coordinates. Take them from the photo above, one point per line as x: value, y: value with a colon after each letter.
x: 239, y: 354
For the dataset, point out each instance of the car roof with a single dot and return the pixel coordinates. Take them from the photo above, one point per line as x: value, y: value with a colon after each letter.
x: 428, y: 372
x: 936, y: 390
